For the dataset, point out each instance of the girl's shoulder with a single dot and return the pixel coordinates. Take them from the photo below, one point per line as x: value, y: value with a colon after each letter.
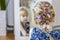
x: 37, y: 33
x: 55, y: 34
x: 36, y: 30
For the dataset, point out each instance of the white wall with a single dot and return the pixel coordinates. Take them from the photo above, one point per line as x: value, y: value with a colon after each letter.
x: 2, y: 23
x: 56, y: 4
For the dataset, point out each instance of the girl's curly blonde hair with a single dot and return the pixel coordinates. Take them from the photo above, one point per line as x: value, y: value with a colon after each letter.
x: 46, y: 12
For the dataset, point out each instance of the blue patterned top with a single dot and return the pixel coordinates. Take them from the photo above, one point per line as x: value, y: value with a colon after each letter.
x: 38, y: 34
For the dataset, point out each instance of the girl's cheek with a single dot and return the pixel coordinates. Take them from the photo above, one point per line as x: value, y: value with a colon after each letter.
x: 25, y: 18
x: 21, y: 18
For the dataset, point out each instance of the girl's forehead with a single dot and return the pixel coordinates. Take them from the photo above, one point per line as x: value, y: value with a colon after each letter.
x: 23, y: 13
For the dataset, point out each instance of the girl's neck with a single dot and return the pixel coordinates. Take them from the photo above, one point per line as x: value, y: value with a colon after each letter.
x: 23, y: 23
x: 41, y: 27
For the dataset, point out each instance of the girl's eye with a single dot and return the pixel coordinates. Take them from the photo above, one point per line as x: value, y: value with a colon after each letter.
x: 23, y: 15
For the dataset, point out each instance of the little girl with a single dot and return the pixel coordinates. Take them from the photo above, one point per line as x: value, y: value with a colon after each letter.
x: 43, y: 18
x: 24, y: 21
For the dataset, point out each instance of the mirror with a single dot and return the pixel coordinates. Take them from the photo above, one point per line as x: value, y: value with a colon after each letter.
x: 25, y: 17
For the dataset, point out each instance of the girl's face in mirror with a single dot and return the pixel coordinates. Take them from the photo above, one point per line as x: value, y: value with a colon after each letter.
x: 24, y: 16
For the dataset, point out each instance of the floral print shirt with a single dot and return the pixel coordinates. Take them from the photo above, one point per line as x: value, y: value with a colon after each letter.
x: 38, y: 34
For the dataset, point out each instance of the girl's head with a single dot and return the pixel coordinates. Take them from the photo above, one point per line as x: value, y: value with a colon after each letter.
x: 24, y: 14
x: 43, y: 14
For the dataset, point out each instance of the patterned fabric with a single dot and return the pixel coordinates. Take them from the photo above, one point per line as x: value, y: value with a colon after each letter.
x: 55, y: 34
x: 38, y: 34
x: 26, y: 27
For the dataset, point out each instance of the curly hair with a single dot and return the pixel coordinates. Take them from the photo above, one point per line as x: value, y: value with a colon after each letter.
x: 46, y: 12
